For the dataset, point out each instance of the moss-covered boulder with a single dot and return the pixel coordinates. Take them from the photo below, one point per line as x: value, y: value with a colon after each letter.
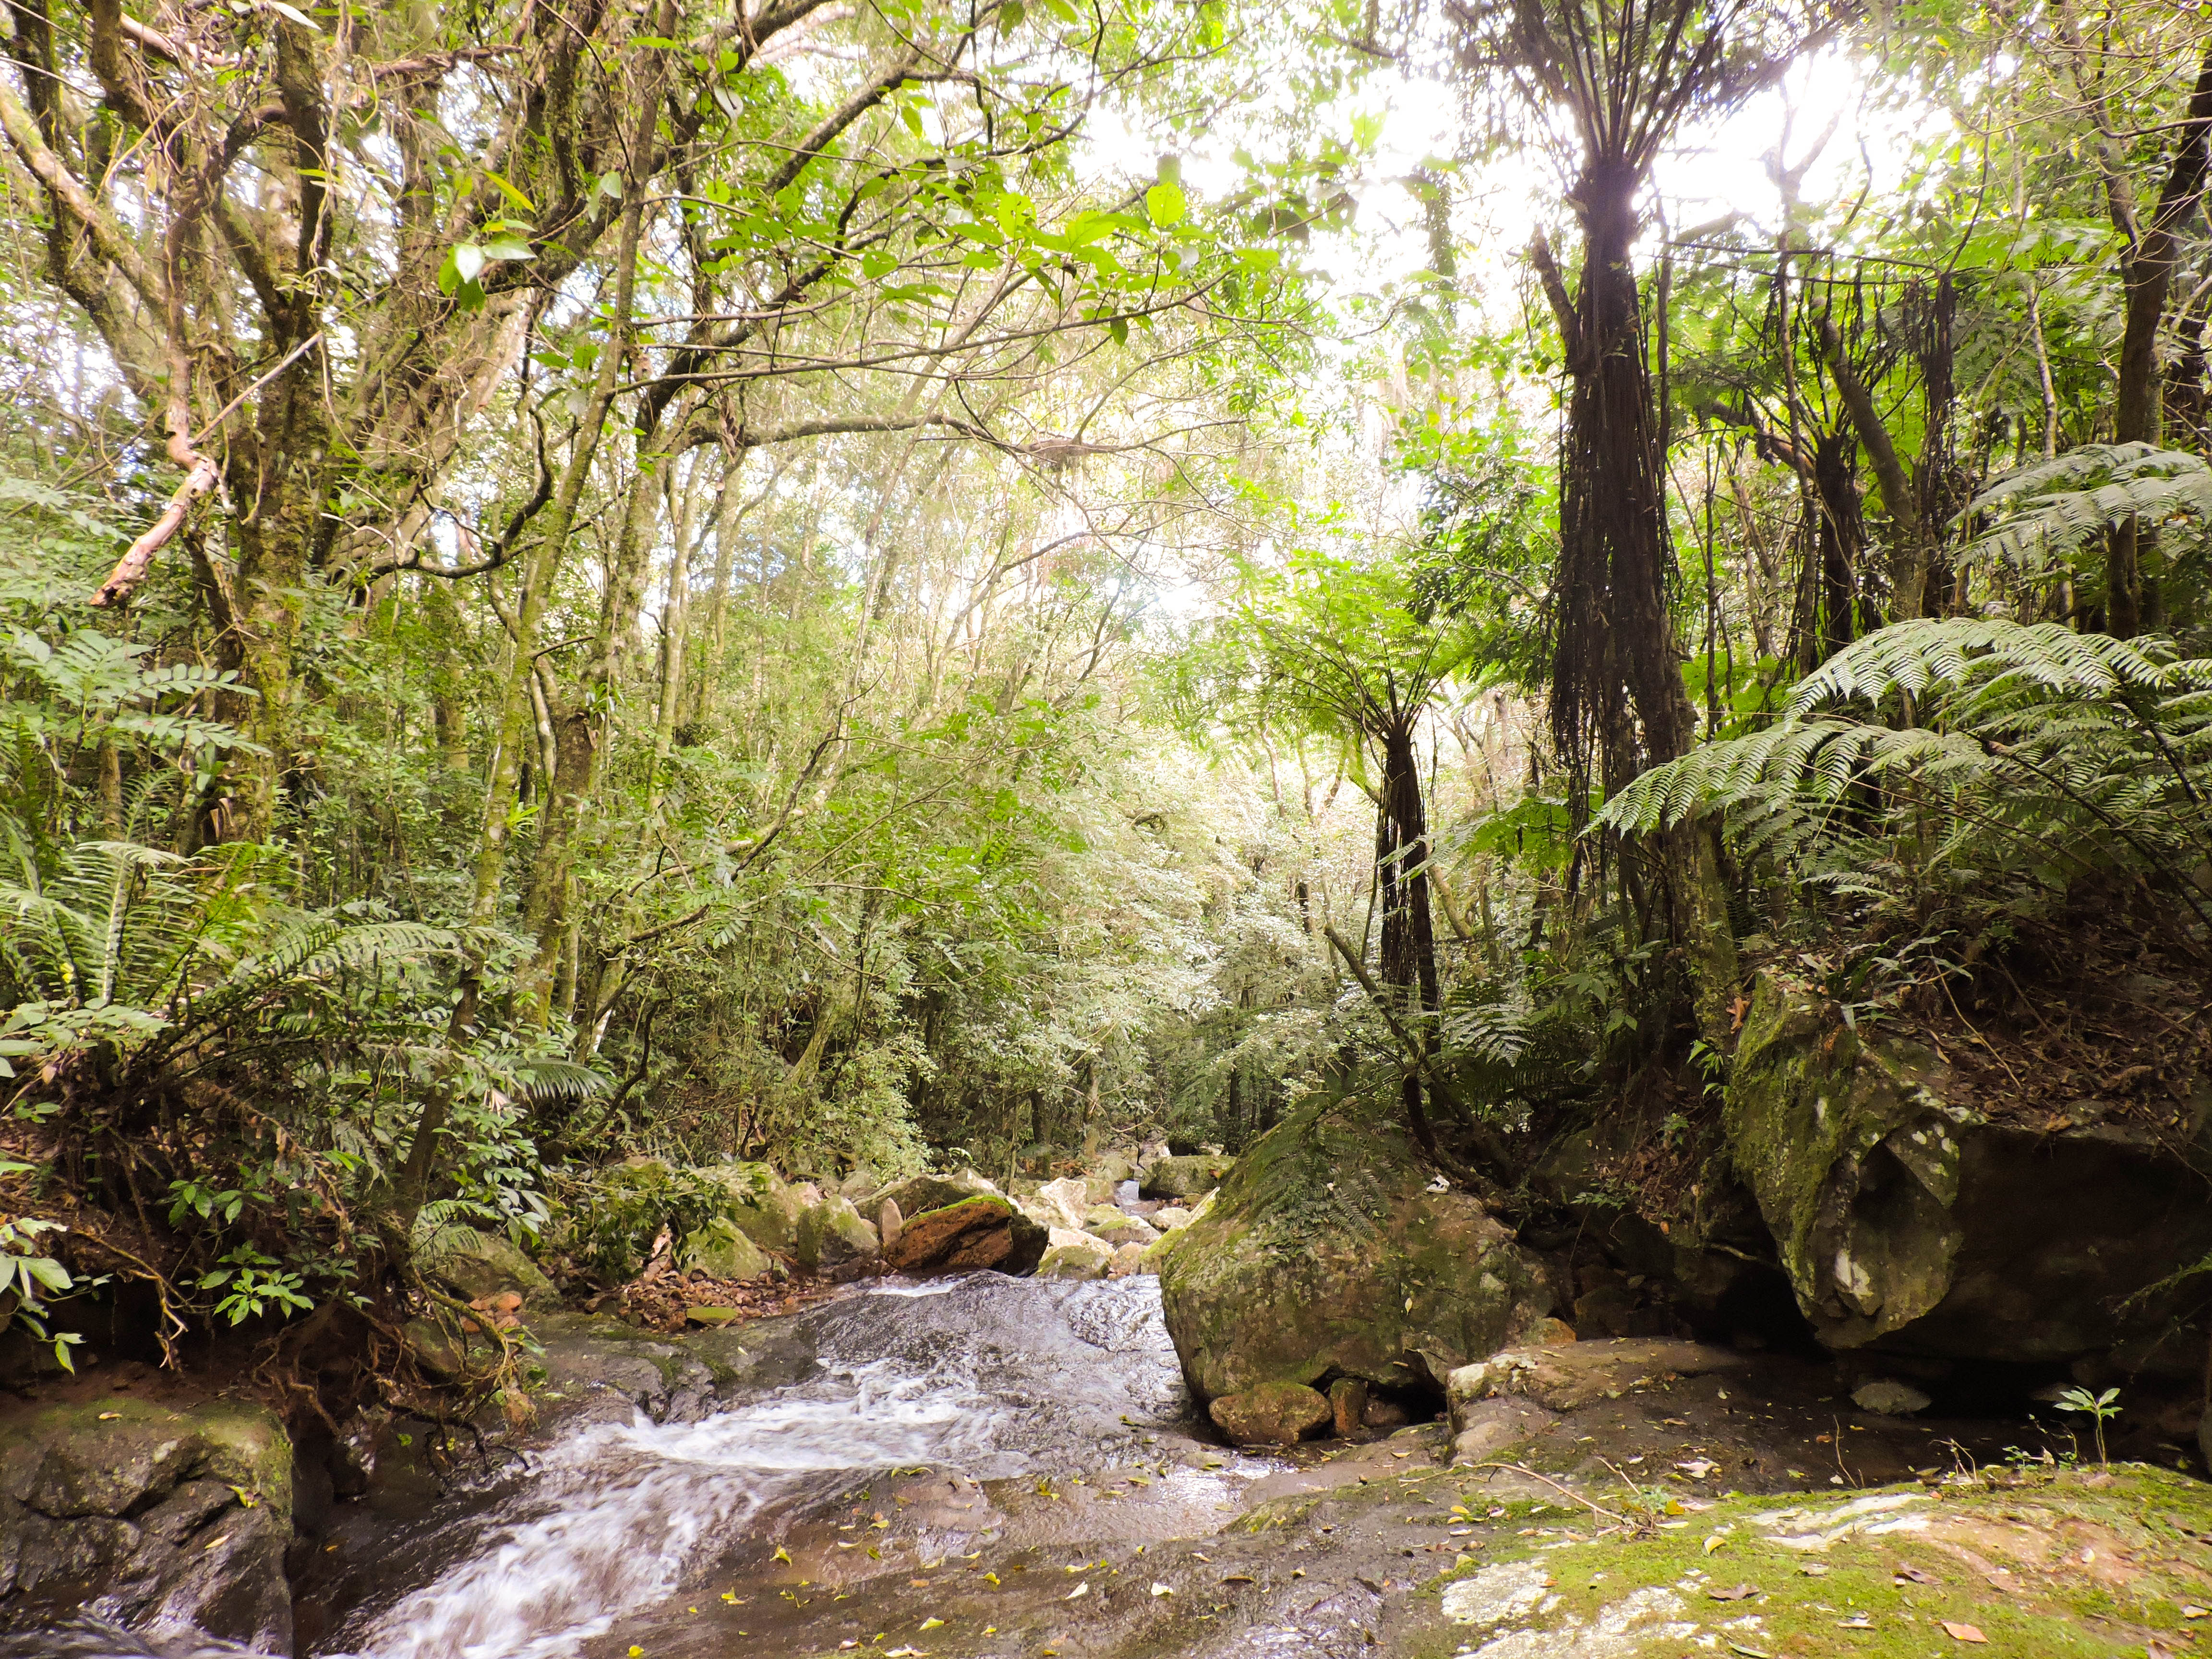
x: 1070, y: 1255
x: 761, y: 1205
x: 720, y: 1250
x: 985, y: 1230
x: 478, y: 1265
x: 1909, y: 1219
x: 833, y: 1234
x: 919, y: 1194
x: 1326, y: 1254
x: 178, y: 1516
x: 1185, y: 1177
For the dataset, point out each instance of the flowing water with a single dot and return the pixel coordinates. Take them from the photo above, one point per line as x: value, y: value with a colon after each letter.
x: 995, y: 1387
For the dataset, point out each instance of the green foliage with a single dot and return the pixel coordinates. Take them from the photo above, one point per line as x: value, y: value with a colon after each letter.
x: 2045, y: 514
x: 1987, y: 765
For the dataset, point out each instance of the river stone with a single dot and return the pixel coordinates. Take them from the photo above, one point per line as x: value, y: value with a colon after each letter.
x: 832, y: 1234
x: 1112, y: 1168
x: 1127, y: 1259
x: 478, y: 1265
x: 1185, y: 1177
x: 1117, y: 1226
x: 986, y: 1230
x: 918, y: 1193
x: 890, y: 1224
x: 1169, y: 1217
x: 1072, y: 1254
x: 174, y: 1516
x: 1481, y: 1429
x: 1565, y: 1376
x: 719, y: 1251
x: 1062, y: 1204
x: 1325, y: 1253
x: 1348, y: 1401
x: 1887, y: 1397
x: 1271, y: 1414
x: 1907, y: 1220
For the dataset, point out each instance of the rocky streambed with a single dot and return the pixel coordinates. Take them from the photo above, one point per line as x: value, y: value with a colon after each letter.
x: 990, y: 1466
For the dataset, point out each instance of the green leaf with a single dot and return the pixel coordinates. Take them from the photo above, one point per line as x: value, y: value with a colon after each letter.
x: 1165, y: 203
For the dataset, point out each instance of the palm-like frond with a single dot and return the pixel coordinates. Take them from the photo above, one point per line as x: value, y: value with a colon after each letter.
x: 2048, y: 509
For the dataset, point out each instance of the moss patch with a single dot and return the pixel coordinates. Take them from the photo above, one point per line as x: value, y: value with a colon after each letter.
x: 2069, y: 1565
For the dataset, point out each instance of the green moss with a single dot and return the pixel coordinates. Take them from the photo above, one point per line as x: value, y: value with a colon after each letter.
x: 2144, y: 1525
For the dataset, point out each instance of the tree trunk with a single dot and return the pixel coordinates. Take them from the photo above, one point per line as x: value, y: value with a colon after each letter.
x: 2148, y: 271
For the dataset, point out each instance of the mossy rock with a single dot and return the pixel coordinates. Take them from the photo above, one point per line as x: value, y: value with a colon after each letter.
x: 1074, y: 1255
x: 720, y: 1250
x: 2079, y: 1565
x: 919, y: 1194
x: 1324, y: 1254
x: 832, y: 1234
x: 475, y: 1265
x: 1904, y: 1218
x: 762, y: 1206
x: 1185, y: 1177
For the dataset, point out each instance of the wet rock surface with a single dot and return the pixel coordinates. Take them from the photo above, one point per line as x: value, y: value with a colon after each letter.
x: 175, y: 1518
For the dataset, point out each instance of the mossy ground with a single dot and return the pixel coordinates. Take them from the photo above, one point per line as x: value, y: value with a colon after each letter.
x: 2070, y: 1565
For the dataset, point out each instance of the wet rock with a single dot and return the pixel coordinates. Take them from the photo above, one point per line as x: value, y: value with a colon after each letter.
x: 1070, y: 1255
x: 1908, y: 1220
x: 1382, y: 1414
x: 1113, y: 1168
x: 1887, y: 1397
x: 833, y: 1234
x: 477, y: 1266
x: 1348, y: 1401
x: 1271, y: 1414
x: 1169, y: 1217
x: 918, y: 1193
x: 720, y: 1250
x: 1564, y: 1378
x: 1185, y: 1177
x: 1482, y: 1429
x: 1326, y: 1253
x: 600, y: 1370
x: 890, y: 1223
x: 180, y: 1517
x: 986, y: 1230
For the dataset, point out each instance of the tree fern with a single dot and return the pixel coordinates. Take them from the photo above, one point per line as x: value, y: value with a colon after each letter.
x: 2045, y: 510
x: 2016, y: 753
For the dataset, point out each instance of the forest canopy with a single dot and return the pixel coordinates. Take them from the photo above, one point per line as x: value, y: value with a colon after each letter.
x: 878, y: 586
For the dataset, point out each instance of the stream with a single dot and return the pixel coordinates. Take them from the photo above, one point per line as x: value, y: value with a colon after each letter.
x: 930, y: 1420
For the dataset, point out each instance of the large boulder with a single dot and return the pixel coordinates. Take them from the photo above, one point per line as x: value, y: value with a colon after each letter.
x: 761, y: 1206
x: 832, y: 1234
x: 1185, y: 1177
x: 1059, y: 1203
x: 477, y: 1266
x: 158, y: 1517
x: 720, y: 1250
x: 917, y: 1194
x: 1907, y: 1220
x: 1117, y: 1226
x: 986, y: 1230
x: 1327, y: 1252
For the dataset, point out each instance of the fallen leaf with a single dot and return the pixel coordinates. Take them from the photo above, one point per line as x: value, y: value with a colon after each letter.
x: 2196, y: 1612
x: 1959, y: 1632
x: 931, y: 1623
x: 1856, y: 1621
x: 1714, y: 1543
x: 992, y: 1579
x: 917, y: 1583
x: 1239, y: 1578
x: 1162, y: 1589
x: 781, y: 1555
x: 109, y: 1417
x: 1749, y: 1652
x: 1080, y: 1590
x: 1814, y: 1570
x: 1916, y: 1575
x: 1741, y: 1593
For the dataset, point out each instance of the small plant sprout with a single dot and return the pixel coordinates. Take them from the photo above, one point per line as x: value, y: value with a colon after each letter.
x: 2100, y: 1408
